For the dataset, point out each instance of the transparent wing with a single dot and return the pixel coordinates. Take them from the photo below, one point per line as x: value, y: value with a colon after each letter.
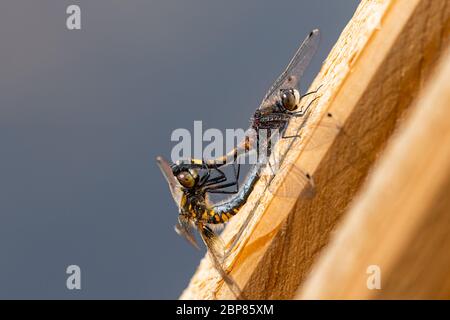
x: 325, y: 131
x: 295, y: 178
x: 174, y: 186
x: 184, y: 229
x: 290, y: 78
x: 216, y: 250
x: 214, y: 244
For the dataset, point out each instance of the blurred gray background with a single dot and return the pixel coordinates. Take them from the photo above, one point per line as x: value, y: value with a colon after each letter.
x: 84, y: 113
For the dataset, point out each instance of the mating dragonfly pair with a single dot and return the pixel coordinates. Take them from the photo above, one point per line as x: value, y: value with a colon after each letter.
x: 191, y: 181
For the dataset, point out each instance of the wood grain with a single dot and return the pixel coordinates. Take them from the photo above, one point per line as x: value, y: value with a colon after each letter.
x: 376, y: 69
x: 401, y: 222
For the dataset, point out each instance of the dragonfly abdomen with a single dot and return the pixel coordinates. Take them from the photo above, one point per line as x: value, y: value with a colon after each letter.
x: 214, y: 216
x: 225, y: 210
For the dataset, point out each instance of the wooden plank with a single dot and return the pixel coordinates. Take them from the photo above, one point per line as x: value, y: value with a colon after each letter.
x: 375, y: 70
x: 401, y: 222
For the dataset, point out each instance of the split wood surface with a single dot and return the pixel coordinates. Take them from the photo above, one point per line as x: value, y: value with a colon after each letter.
x: 379, y: 66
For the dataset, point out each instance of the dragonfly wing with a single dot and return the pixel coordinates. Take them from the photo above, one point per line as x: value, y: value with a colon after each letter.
x: 216, y: 250
x: 294, y: 179
x: 214, y: 244
x: 174, y: 186
x: 184, y: 229
x: 290, y: 78
x: 294, y: 176
x: 327, y: 130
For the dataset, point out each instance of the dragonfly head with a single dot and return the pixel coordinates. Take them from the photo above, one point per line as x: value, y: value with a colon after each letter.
x: 188, y: 178
x: 290, y: 99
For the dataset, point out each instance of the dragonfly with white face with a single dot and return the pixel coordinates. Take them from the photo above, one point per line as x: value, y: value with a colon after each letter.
x: 190, y: 187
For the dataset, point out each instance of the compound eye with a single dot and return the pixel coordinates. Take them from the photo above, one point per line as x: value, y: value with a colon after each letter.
x: 289, y: 99
x: 186, y: 179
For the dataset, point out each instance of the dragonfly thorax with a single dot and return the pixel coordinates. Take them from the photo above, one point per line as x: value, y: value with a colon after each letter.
x: 195, y: 204
x: 196, y: 194
x: 275, y: 120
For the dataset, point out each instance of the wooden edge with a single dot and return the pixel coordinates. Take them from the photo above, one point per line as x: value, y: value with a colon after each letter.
x: 400, y: 225
x: 366, y: 85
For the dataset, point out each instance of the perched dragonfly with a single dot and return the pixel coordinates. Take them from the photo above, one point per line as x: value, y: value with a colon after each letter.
x: 281, y: 103
x: 189, y: 186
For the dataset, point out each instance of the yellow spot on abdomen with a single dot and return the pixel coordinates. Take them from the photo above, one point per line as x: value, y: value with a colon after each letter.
x: 183, y: 201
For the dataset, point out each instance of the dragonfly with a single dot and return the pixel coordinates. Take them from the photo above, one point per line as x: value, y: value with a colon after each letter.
x: 190, y: 186
x: 281, y: 103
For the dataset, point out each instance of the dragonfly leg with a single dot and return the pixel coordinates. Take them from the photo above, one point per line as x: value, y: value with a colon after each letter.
x: 292, y: 136
x: 220, y: 178
x: 236, y: 177
x: 207, y: 180
x: 217, y: 188
x: 302, y: 111
x: 204, y: 179
x: 236, y: 174
x: 214, y: 181
x: 311, y: 92
x: 222, y: 191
